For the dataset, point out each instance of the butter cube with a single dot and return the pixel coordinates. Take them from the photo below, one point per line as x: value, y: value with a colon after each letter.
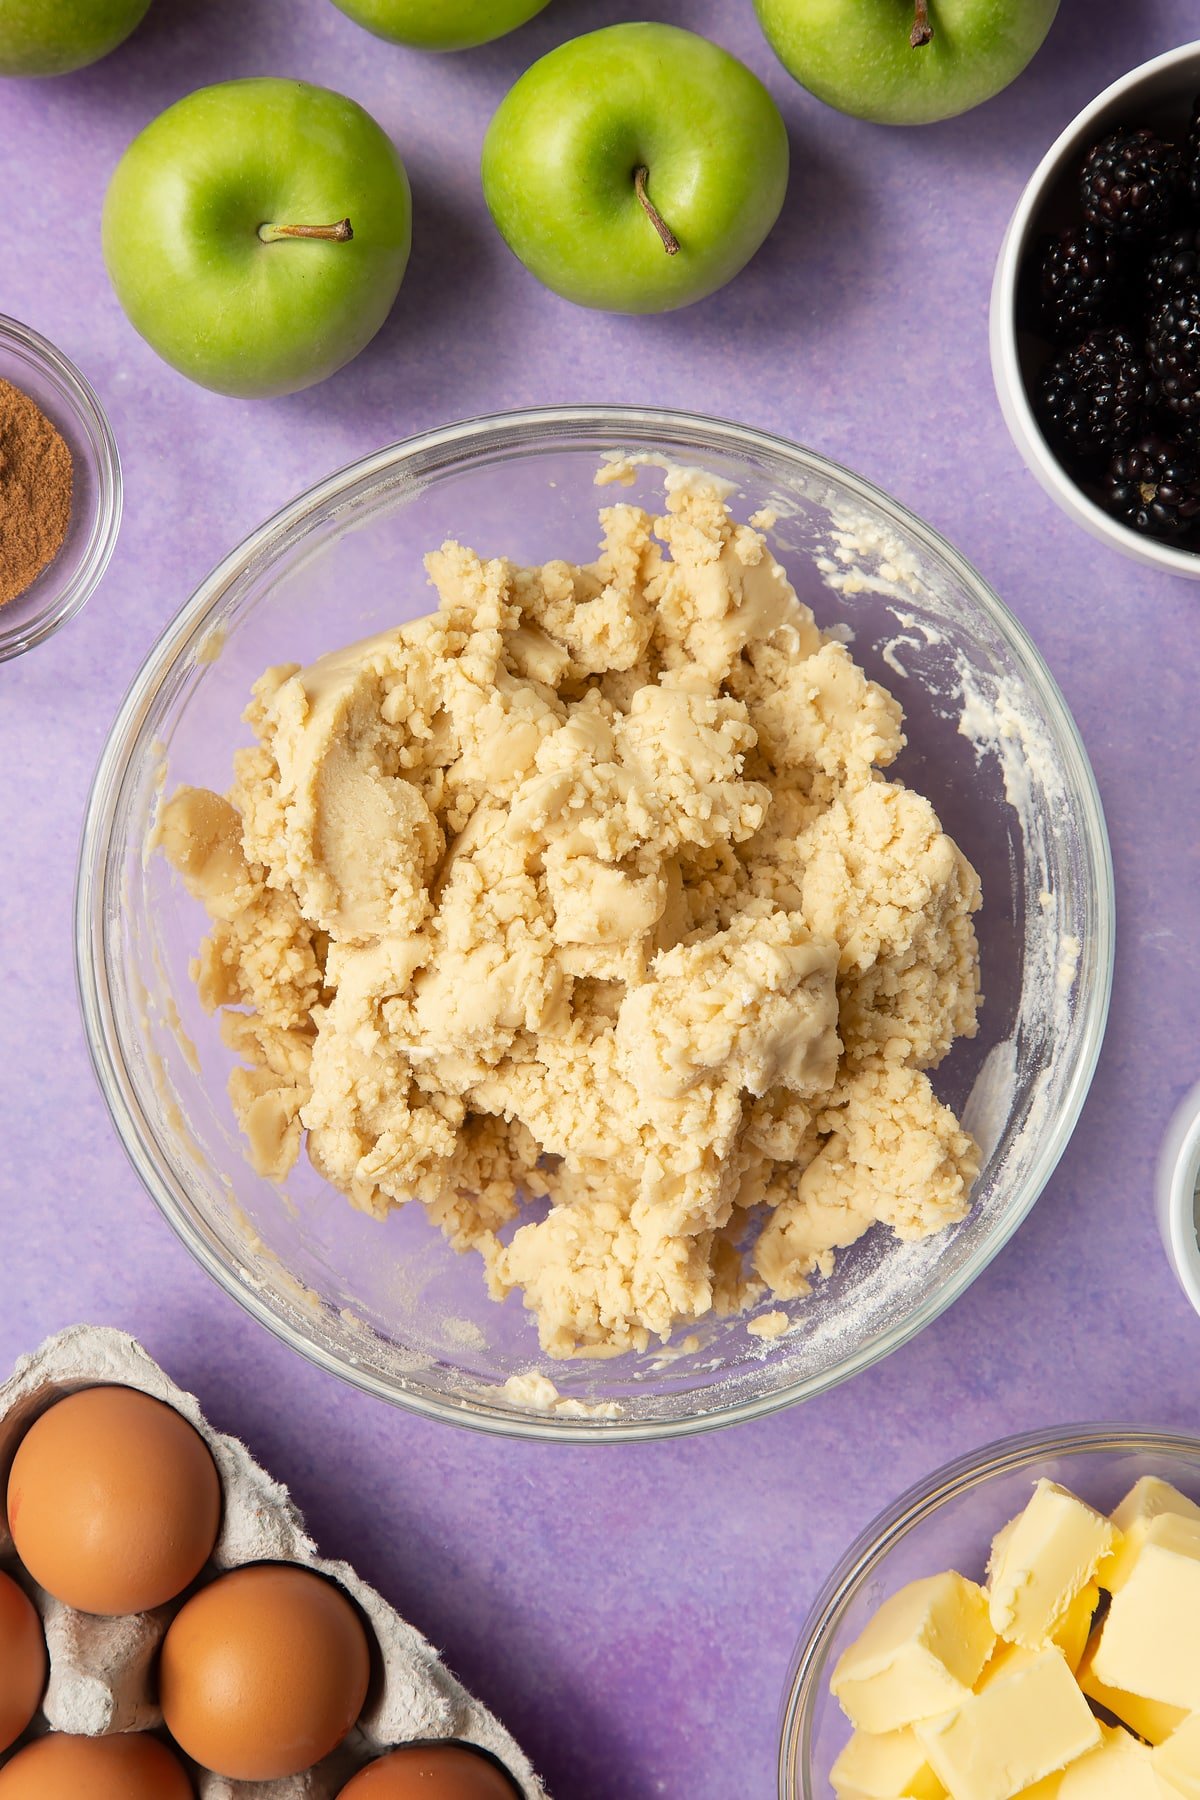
x: 1003, y: 1660
x: 1044, y: 1562
x: 892, y: 1766
x: 1027, y: 1724
x: 1049, y: 1789
x: 1071, y: 1637
x: 1149, y: 1718
x: 1074, y: 1628
x: 1119, y: 1768
x: 920, y: 1654
x: 1177, y: 1762
x: 1146, y: 1500
x: 1150, y: 1641
x: 999, y: 1543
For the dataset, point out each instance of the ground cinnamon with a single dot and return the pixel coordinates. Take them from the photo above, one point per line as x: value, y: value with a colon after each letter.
x: 35, y: 491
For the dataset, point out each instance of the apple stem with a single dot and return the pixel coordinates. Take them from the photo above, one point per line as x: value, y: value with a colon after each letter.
x: 341, y: 233
x: 922, y: 30
x: 670, y: 242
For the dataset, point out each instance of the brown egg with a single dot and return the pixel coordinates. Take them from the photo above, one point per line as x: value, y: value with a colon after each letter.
x: 431, y: 1772
x: 22, y: 1661
x: 264, y: 1672
x: 113, y: 1501
x: 106, y: 1768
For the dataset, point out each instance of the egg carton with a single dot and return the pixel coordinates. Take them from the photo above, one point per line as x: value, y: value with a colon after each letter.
x: 102, y: 1670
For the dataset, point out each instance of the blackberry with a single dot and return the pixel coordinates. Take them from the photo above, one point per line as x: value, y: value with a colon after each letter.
x: 1174, y: 260
x: 1153, y: 486
x: 1079, y: 283
x: 1095, y: 396
x: 1133, y: 184
x: 1173, y: 345
x: 1192, y: 154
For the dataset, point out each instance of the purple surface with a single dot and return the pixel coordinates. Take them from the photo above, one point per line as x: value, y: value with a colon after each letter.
x: 630, y: 1612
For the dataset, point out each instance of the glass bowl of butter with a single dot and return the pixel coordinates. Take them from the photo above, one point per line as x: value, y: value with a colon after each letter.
x: 611, y: 914
x: 1026, y: 1621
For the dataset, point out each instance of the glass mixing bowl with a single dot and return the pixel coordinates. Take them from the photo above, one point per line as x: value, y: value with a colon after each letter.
x: 948, y: 1522
x: 389, y: 1306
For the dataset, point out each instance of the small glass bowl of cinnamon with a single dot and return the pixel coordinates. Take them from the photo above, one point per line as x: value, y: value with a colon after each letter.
x: 60, y: 489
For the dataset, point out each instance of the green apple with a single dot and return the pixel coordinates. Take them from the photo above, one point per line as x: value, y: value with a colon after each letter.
x: 441, y: 24
x: 53, y: 37
x: 905, y: 62
x: 257, y: 232
x: 636, y: 169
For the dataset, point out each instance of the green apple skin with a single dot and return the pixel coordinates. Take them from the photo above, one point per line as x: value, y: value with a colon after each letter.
x: 856, y: 54
x: 55, y: 37
x: 561, y: 153
x: 181, y: 234
x: 441, y: 24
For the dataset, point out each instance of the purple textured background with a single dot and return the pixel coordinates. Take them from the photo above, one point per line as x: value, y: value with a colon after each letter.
x: 630, y: 1612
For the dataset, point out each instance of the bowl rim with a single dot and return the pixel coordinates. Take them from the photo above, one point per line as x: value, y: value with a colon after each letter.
x: 541, y: 427
x: 92, y: 420
x: 1007, y: 374
x: 1177, y: 1189
x: 974, y: 1468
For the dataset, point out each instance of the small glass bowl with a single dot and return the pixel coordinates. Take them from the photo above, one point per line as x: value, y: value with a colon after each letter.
x: 30, y: 362
x: 387, y: 1304
x: 948, y: 1522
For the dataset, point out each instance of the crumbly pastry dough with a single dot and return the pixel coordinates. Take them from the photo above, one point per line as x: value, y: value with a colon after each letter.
x: 588, y: 888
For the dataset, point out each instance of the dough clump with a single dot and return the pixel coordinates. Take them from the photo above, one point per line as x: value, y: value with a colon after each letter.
x: 587, y: 890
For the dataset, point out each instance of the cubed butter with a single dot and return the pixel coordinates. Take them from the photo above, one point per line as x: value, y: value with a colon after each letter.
x: 1003, y: 1660
x: 1071, y: 1638
x: 921, y: 1654
x: 1049, y: 1789
x: 1027, y: 1724
x: 1147, y: 1499
x: 1073, y: 1630
x: 891, y: 1766
x: 1177, y: 1761
x: 1149, y: 1718
x: 1119, y: 1768
x: 1150, y: 1641
x: 1043, y: 1563
x: 999, y: 1542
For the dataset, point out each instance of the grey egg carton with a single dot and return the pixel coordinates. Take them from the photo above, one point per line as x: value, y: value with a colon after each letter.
x: 102, y: 1670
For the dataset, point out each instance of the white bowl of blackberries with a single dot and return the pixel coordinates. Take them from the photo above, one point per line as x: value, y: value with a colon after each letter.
x: 1095, y: 324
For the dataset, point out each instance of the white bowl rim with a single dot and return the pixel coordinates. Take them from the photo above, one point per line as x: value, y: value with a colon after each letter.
x: 187, y: 631
x: 925, y: 1497
x: 1011, y: 390
x: 1178, y: 1183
